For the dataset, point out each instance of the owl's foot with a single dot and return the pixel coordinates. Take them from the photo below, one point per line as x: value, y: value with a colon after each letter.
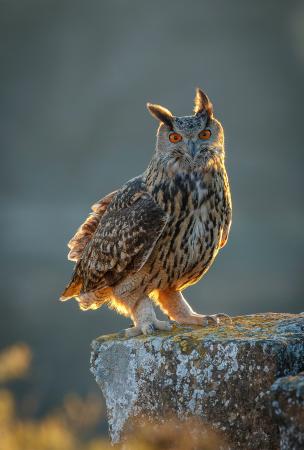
x: 217, y: 318
x: 147, y: 328
x: 178, y: 309
x: 200, y: 319
x: 145, y: 321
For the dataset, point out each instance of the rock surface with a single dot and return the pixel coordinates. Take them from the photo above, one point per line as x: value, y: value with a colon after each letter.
x: 288, y: 410
x: 222, y: 374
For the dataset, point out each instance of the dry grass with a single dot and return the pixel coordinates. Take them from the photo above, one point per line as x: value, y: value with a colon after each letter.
x: 173, y: 434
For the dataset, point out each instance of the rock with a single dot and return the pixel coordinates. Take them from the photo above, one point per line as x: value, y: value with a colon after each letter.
x: 288, y: 410
x: 222, y: 374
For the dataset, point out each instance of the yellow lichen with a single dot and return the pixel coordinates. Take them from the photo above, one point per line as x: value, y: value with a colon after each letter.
x: 257, y: 325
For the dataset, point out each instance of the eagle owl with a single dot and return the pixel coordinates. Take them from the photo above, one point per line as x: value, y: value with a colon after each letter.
x: 161, y: 231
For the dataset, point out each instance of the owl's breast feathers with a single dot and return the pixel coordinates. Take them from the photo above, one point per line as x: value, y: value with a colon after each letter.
x: 199, y: 206
x: 116, y: 239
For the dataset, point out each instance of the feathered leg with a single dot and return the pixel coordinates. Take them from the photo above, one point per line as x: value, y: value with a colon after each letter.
x: 178, y: 309
x: 144, y: 318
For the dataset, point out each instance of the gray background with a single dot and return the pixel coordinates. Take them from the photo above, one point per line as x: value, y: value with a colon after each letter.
x: 74, y: 80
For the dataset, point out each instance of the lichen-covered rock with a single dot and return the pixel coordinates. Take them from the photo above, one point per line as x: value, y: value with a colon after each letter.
x: 221, y: 374
x: 288, y: 410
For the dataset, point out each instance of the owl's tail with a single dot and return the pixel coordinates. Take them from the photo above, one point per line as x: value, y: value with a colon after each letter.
x: 72, y: 290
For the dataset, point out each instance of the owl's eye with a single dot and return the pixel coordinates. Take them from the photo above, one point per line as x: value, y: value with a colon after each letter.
x: 175, y: 137
x: 204, y: 134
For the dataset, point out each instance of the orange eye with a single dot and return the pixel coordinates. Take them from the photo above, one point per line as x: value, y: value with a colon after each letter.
x: 204, y: 134
x: 175, y: 137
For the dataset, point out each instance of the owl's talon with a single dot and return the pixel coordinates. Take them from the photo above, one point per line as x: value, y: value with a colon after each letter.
x: 175, y: 324
x: 225, y: 316
x: 202, y: 320
x: 217, y: 317
x: 147, y: 328
x: 132, y: 332
x: 213, y: 318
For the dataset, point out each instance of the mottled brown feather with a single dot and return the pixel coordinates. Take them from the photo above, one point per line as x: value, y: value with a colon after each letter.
x: 85, y: 232
x: 122, y: 242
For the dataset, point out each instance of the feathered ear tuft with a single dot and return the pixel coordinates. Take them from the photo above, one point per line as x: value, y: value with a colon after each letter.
x: 161, y: 113
x: 202, y: 103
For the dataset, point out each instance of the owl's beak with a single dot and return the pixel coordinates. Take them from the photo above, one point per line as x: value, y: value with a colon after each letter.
x: 192, y: 148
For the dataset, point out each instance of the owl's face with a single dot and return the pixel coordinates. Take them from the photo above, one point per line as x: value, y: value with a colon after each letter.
x: 186, y: 143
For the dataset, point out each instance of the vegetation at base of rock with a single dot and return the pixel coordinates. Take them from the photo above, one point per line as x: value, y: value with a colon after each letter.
x: 173, y: 434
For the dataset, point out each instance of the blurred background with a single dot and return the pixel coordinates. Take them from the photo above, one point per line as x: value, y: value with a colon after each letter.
x: 74, y: 80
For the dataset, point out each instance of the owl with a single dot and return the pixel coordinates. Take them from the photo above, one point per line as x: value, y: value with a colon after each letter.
x: 161, y: 231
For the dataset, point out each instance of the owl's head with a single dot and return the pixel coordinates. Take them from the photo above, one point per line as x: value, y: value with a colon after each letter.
x: 189, y: 141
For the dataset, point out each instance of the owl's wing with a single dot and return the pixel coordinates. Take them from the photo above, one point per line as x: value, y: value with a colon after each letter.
x: 122, y: 242
x: 226, y: 230
x: 227, y: 210
x: 85, y: 232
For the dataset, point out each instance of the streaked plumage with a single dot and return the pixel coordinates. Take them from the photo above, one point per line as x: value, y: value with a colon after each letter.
x: 161, y: 231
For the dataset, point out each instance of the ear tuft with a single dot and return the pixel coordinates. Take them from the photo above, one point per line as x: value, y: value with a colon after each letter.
x: 161, y: 113
x: 202, y: 103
